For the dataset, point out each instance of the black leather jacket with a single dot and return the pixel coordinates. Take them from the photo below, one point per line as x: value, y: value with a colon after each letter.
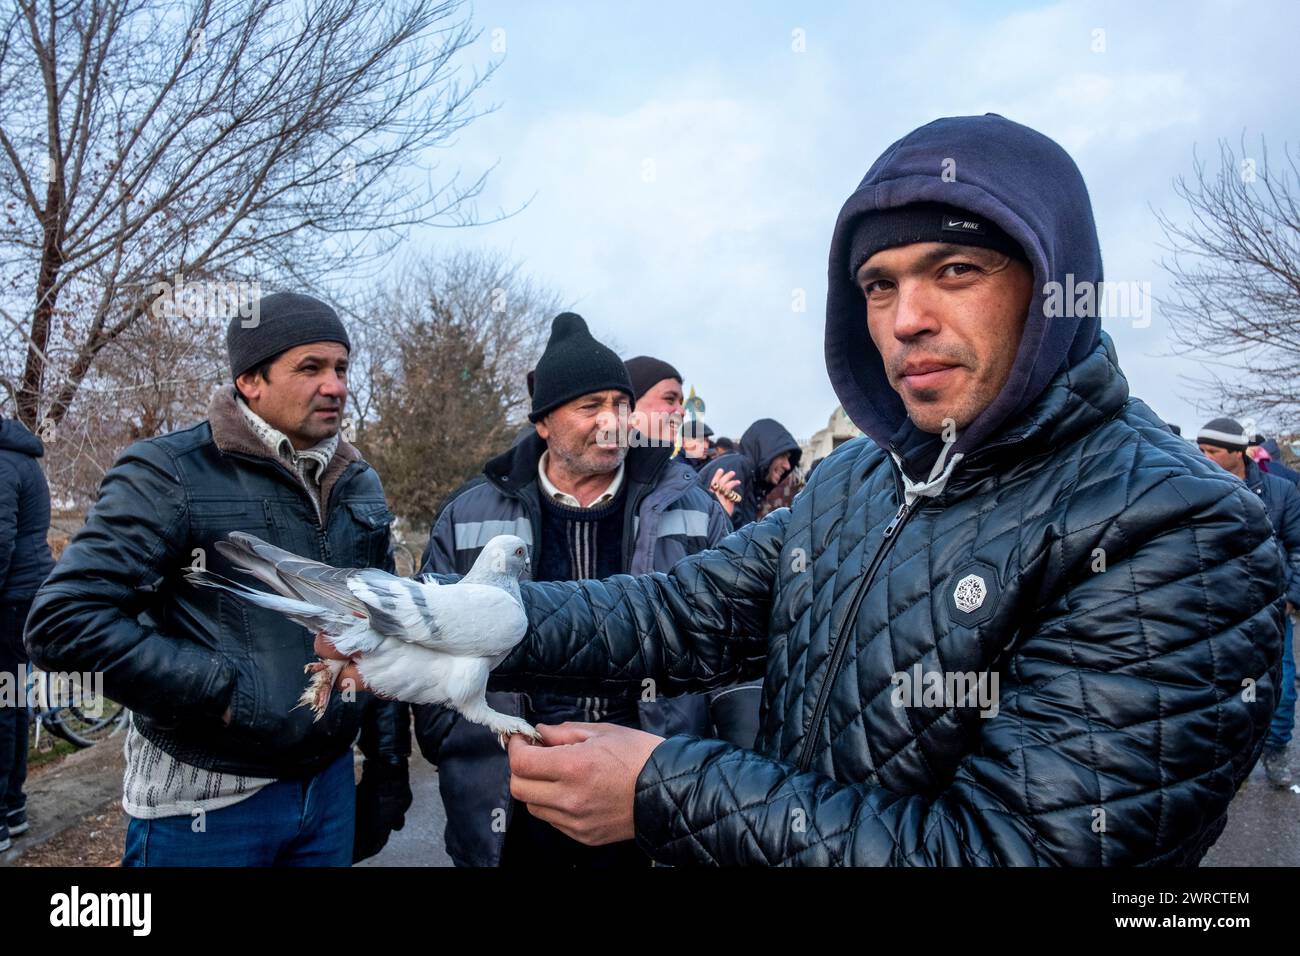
x: 177, y: 654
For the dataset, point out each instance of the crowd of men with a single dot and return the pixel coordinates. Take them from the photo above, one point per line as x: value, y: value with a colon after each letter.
x: 714, y: 646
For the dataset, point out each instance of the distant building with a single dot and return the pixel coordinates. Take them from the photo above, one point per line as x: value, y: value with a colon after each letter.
x: 837, y: 431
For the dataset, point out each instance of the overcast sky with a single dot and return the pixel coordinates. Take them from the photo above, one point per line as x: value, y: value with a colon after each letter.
x: 685, y: 162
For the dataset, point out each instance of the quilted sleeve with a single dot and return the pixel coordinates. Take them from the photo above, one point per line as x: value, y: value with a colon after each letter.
x: 9, y: 508
x: 1128, y: 716
x: 90, y: 613
x: 1287, y: 526
x: 701, y: 625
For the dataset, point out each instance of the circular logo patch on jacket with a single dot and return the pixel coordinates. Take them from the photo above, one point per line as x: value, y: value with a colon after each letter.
x: 970, y: 593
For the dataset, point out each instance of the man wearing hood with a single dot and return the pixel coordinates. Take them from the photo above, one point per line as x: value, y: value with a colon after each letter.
x: 1020, y: 623
x: 767, y: 454
x: 24, y: 562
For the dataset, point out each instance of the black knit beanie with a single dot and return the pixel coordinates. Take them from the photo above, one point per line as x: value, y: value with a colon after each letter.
x: 925, y: 222
x: 575, y: 364
x: 646, y: 372
x: 280, y: 321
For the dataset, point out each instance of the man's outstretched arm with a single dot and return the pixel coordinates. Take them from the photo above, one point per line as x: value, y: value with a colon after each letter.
x: 702, y: 624
x: 1129, y: 715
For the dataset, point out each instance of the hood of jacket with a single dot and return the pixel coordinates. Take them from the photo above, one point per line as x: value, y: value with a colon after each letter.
x: 14, y: 436
x: 1026, y: 184
x: 764, y: 440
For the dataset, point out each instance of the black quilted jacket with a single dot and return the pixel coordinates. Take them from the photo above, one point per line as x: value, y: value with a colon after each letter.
x: 1116, y: 594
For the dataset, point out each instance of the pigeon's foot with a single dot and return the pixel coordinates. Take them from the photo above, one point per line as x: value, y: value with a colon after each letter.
x: 506, y: 726
x: 503, y: 725
x: 317, y: 694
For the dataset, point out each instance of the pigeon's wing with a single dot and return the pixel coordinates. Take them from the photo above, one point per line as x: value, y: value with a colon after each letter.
x: 396, y: 606
x: 467, y: 620
x: 310, y: 616
x: 289, y: 574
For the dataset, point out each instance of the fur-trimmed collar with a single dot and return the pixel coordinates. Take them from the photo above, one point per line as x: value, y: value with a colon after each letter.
x: 232, y: 433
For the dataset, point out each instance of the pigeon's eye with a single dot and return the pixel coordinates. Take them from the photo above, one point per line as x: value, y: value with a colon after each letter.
x: 519, y: 552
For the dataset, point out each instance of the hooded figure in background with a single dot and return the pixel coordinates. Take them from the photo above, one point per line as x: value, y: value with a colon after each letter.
x: 767, y: 454
x: 25, y: 561
x: 1013, y: 626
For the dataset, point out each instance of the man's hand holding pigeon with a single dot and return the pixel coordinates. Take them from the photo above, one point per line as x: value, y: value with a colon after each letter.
x: 582, y: 780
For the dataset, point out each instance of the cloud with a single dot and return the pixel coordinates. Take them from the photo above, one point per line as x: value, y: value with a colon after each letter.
x: 684, y: 201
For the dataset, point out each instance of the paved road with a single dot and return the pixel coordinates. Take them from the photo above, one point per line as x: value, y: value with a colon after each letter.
x: 420, y: 842
x: 1263, y: 825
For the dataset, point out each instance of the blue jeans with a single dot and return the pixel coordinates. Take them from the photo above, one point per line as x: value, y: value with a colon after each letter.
x: 305, y: 822
x: 1279, y: 731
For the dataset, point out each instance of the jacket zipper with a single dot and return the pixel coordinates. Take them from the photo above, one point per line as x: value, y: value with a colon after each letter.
x: 322, y: 536
x: 841, y: 643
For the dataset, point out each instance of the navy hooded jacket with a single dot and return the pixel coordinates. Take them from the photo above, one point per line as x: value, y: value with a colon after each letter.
x: 1282, y: 502
x: 762, y: 442
x: 1022, y: 181
x: 25, y: 559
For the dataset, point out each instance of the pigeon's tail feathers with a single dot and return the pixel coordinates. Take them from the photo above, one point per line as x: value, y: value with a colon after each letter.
x: 289, y: 574
x: 315, y: 619
x: 259, y: 558
x: 398, y: 607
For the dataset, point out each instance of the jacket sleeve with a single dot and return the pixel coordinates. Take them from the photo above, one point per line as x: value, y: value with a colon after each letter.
x: 386, y: 724
x: 719, y: 522
x: 86, y: 615
x: 702, y: 624
x: 433, y: 722
x: 1123, y: 726
x: 1288, y: 532
x: 386, y: 732
x: 8, y: 519
x: 440, y: 552
x: 744, y: 511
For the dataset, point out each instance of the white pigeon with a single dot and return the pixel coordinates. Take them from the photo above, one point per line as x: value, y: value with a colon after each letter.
x: 414, y: 641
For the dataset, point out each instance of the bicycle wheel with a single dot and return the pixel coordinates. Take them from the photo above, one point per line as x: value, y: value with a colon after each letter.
x: 83, y: 730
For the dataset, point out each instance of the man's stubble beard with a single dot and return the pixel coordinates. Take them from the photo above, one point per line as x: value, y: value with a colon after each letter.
x: 579, y: 463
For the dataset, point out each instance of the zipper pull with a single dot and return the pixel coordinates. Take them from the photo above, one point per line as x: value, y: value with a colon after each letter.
x: 893, y: 525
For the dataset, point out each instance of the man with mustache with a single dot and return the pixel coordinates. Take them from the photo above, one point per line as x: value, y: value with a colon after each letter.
x: 222, y: 768
x: 1018, y: 623
x: 590, y: 502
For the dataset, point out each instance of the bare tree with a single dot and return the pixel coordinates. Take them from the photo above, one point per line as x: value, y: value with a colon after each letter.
x: 438, y: 383
x: 263, y: 141
x: 156, y: 377
x: 1234, y: 266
